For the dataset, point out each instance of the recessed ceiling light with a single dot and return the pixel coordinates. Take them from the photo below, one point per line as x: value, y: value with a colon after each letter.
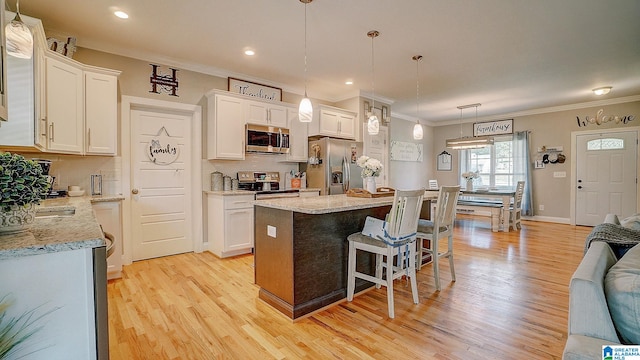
x: 348, y: 82
x: 121, y: 14
x: 602, y: 90
x: 249, y: 52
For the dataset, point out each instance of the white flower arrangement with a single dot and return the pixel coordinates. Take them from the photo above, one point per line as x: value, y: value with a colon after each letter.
x: 470, y: 175
x: 370, y: 166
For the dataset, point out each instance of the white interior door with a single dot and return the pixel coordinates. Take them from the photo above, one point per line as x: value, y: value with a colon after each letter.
x: 606, y: 173
x: 161, y: 202
x: 375, y: 146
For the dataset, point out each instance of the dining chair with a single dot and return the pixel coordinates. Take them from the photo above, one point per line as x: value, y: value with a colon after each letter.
x: 515, y: 210
x: 395, y: 239
x: 440, y: 227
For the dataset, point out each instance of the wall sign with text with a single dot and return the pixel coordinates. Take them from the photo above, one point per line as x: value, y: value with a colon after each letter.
x: 406, y: 151
x: 493, y: 128
x: 256, y: 90
x: 162, y: 149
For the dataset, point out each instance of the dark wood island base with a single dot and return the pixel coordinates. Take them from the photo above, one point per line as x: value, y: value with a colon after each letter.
x: 301, y: 259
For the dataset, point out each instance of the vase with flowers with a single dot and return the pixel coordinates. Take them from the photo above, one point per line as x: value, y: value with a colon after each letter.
x: 371, y: 168
x: 22, y: 186
x: 469, y: 176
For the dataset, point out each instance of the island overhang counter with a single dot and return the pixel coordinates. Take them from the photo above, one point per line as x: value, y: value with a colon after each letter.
x: 301, y: 249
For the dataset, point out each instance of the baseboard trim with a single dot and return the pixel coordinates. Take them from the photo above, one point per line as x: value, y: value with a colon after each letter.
x: 547, y: 219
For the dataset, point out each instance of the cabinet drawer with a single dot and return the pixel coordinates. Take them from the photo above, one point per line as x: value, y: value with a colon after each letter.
x: 238, y: 201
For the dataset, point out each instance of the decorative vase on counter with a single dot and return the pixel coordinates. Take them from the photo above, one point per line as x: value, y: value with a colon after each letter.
x: 370, y: 184
x: 18, y: 218
x: 469, y: 184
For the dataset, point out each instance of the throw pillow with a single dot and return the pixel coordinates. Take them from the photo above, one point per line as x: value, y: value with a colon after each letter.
x: 632, y: 222
x: 622, y: 290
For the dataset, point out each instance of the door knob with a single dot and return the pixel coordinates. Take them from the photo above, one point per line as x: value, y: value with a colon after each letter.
x: 134, y: 191
x: 579, y: 187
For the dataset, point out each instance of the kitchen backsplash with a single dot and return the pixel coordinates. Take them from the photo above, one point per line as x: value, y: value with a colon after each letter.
x: 77, y: 170
x: 252, y: 162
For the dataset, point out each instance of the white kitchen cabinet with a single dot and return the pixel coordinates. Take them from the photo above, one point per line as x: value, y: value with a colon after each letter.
x: 108, y: 214
x: 3, y: 66
x: 265, y: 114
x: 69, y: 286
x: 100, y: 113
x: 332, y: 121
x: 65, y: 106
x: 230, y: 224
x: 225, y: 127
x: 298, y: 137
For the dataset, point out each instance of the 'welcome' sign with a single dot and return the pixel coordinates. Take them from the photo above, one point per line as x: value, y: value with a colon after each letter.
x: 493, y: 128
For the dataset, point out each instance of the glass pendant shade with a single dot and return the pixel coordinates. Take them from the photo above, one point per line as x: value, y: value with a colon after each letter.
x: 19, y: 39
x: 417, y: 132
x: 373, y: 125
x: 305, y: 111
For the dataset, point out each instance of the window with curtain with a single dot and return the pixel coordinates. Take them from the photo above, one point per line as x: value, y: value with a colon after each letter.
x: 502, y: 165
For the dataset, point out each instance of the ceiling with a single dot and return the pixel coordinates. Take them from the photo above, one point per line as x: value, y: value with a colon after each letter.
x: 509, y: 55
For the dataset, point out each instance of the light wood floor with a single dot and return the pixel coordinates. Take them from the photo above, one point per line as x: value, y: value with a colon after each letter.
x: 509, y: 302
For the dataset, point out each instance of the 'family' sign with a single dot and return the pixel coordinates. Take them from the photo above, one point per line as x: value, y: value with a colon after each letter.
x: 162, y: 149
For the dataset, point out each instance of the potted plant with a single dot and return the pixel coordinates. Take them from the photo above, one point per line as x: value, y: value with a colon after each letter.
x: 22, y: 186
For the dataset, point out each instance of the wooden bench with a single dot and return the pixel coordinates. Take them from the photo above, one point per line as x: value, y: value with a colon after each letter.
x: 494, y: 208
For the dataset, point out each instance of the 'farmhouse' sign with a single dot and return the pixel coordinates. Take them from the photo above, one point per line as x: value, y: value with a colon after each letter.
x: 493, y: 128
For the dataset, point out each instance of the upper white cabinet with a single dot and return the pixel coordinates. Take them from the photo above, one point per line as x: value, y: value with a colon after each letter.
x: 64, y: 107
x: 332, y: 121
x: 225, y: 127
x: 100, y: 115
x: 298, y: 137
x: 265, y: 114
x: 60, y: 105
x: 81, y: 111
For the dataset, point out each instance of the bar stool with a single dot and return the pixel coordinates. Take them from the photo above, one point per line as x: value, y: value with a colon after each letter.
x: 394, y: 237
x: 442, y: 226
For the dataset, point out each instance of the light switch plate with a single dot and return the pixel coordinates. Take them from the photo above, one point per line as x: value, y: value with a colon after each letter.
x: 559, y: 174
x: 271, y: 231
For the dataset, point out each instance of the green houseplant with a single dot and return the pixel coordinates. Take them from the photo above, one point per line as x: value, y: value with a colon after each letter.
x: 22, y: 186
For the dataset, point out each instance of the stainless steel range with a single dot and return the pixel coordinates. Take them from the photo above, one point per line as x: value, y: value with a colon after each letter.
x: 266, y: 184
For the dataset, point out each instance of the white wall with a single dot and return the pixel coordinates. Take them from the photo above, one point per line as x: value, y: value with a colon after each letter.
x: 409, y: 174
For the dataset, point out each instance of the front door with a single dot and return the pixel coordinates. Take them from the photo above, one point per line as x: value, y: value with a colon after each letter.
x: 606, y: 174
x: 160, y: 183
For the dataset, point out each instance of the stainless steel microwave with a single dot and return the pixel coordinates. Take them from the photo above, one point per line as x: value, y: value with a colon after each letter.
x: 267, y: 139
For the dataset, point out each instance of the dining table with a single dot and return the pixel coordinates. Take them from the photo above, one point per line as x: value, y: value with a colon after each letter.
x: 507, y: 196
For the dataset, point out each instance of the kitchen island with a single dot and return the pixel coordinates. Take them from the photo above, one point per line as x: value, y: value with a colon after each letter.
x: 301, y: 249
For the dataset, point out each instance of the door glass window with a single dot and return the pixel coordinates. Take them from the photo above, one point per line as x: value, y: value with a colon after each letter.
x: 605, y: 144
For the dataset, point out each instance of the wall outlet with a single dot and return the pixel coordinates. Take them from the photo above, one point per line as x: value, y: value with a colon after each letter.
x: 541, y: 207
x: 271, y: 231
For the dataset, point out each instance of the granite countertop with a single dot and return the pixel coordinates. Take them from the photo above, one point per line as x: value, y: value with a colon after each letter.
x: 58, y: 233
x: 309, y: 189
x: 324, y: 204
x: 230, y: 192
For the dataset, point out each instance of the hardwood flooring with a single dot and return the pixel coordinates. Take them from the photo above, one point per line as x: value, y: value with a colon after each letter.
x: 510, y: 301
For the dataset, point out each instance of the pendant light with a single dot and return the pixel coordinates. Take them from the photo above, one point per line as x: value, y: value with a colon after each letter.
x: 417, y: 128
x: 373, y: 124
x: 19, y: 38
x: 305, y: 111
x: 475, y: 142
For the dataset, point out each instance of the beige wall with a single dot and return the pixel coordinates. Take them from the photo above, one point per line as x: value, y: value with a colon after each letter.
x: 548, y: 129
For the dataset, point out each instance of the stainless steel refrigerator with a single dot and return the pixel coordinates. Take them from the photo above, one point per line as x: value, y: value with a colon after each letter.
x: 332, y: 165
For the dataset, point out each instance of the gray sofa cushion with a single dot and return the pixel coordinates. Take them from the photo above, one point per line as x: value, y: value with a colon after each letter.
x: 622, y: 289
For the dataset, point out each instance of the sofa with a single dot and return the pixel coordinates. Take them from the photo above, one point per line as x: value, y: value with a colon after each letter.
x: 604, y: 292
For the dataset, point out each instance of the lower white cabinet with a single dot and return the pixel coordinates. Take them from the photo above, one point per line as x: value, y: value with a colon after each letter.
x: 230, y: 223
x: 108, y: 216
